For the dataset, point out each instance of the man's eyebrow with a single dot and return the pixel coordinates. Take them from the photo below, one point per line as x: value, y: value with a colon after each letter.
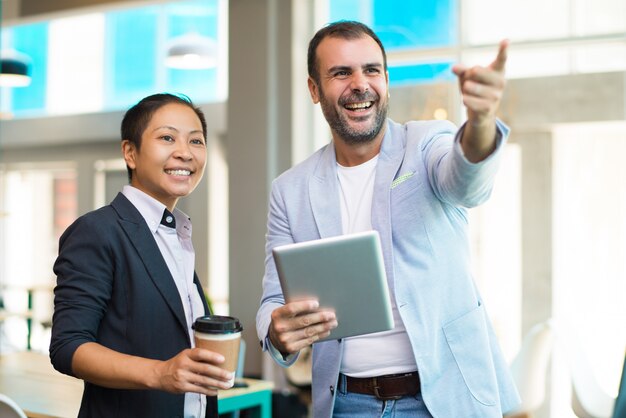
x: 349, y: 68
x: 339, y: 68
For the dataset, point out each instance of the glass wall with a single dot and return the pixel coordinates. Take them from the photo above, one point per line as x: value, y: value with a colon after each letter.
x: 32, y: 40
x: 589, y: 246
x: 548, y: 38
x: 109, y: 60
x: 423, y: 25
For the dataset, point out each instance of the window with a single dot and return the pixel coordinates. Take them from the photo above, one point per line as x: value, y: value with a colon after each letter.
x: 28, y: 244
x: 108, y: 61
x: 75, y: 64
x: 489, y: 21
x: 133, y: 65
x: 496, y: 239
x: 589, y: 230
x: 423, y: 24
x: 30, y: 40
x: 420, y: 73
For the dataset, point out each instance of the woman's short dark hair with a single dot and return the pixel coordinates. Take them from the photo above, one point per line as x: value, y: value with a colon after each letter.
x: 138, y: 117
x: 344, y: 29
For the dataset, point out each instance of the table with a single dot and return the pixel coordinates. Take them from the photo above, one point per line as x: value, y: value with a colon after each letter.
x: 28, y: 314
x: 30, y: 380
x: 257, y: 397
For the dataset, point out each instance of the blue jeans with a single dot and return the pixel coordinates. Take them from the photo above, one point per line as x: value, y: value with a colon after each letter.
x: 356, y: 405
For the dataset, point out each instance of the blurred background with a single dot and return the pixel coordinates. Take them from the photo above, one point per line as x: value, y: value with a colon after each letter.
x: 549, y: 247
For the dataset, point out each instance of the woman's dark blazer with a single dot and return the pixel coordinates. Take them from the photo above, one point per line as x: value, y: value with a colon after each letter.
x: 114, y: 288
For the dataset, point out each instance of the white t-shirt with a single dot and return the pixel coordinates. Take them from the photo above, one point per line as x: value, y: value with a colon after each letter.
x: 381, y: 353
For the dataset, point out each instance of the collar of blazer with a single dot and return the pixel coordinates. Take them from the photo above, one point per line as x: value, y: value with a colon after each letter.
x: 324, y: 195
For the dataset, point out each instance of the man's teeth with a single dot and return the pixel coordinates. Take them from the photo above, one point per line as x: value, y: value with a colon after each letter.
x: 354, y: 106
x: 178, y: 172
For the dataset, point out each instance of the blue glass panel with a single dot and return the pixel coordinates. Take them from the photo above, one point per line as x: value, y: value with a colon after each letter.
x: 420, y: 73
x: 360, y: 10
x: 5, y: 33
x: 31, y: 40
x: 402, y: 24
x: 415, y: 24
x: 131, y: 55
x: 199, y: 17
x: 198, y: 85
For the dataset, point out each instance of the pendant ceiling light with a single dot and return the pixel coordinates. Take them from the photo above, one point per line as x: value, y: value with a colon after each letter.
x: 14, y: 69
x: 192, y: 52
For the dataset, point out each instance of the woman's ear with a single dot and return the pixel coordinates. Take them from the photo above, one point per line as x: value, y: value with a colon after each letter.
x: 129, y: 151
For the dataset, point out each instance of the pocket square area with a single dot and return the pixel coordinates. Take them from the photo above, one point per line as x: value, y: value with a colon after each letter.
x: 402, y: 178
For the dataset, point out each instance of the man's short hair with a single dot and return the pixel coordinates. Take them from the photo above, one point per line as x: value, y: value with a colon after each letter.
x: 344, y: 29
x: 138, y: 117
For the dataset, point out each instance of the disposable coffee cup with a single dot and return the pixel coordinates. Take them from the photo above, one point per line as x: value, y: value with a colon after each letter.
x: 221, y: 334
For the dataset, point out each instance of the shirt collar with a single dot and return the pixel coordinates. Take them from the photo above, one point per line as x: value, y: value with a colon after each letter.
x: 152, y: 211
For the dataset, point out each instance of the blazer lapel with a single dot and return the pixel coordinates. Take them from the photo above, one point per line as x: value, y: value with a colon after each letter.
x: 138, y: 233
x: 324, y: 195
x: 207, y: 308
x: 389, y: 161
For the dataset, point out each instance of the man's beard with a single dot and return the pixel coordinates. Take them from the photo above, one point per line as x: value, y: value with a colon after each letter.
x: 340, y: 123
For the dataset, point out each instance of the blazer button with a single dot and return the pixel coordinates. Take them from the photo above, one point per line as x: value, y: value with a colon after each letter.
x: 332, y: 390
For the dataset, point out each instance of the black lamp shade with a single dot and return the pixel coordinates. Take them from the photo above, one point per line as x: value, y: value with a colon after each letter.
x: 14, y: 72
x: 13, y: 66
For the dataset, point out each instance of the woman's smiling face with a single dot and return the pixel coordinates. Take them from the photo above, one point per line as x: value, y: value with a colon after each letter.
x: 170, y: 162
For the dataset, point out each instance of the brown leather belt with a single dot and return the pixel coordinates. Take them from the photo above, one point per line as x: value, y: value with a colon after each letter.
x: 392, y: 386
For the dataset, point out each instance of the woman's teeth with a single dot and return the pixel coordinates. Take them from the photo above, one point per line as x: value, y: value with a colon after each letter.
x: 178, y: 172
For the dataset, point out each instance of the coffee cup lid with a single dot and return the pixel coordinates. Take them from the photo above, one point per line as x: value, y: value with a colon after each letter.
x: 216, y: 324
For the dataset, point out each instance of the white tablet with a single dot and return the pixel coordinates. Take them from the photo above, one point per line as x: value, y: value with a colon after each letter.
x: 345, y: 273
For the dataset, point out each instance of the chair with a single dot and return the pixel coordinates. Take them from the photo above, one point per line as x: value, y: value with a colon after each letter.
x: 529, y: 368
x: 589, y: 400
x: 620, y: 402
x: 9, y: 409
x: 299, y: 374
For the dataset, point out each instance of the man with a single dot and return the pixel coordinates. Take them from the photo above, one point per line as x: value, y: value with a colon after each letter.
x: 412, y: 183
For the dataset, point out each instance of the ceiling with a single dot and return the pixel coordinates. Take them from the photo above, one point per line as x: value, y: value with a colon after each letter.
x: 18, y: 9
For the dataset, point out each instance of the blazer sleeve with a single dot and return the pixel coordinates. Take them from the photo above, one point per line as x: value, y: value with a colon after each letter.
x: 84, y: 270
x: 278, y: 233
x: 454, y: 179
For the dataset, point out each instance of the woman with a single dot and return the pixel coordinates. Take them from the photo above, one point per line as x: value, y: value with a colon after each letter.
x: 127, y: 293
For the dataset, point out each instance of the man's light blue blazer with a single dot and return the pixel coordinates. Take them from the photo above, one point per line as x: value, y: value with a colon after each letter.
x: 422, y: 188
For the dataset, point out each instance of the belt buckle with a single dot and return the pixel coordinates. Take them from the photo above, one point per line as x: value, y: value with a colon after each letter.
x: 380, y: 396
